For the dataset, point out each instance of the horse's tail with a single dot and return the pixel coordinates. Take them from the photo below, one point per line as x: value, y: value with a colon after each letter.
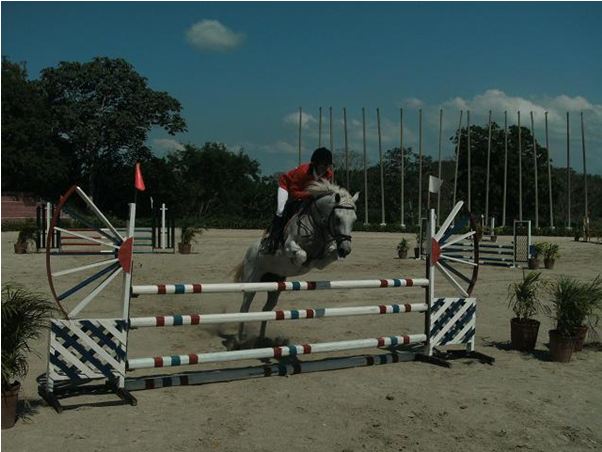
x: 237, y: 271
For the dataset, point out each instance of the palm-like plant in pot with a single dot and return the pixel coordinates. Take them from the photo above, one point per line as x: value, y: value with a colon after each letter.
x: 550, y: 254
x: 402, y: 249
x: 575, y: 305
x: 189, y: 232
x: 524, y: 301
x: 536, y: 251
x: 24, y: 316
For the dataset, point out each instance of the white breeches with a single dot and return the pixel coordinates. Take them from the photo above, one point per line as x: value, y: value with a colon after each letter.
x: 282, y: 198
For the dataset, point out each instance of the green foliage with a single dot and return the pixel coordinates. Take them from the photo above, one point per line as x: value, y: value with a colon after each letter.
x: 27, y: 232
x: 402, y: 245
x: 538, y: 249
x: 24, y: 316
x: 551, y: 251
x: 574, y: 303
x: 524, y: 296
x: 104, y: 109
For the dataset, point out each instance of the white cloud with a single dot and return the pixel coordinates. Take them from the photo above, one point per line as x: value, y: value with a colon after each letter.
x: 213, y: 36
x: 307, y: 120
x: 412, y: 102
x: 167, y: 145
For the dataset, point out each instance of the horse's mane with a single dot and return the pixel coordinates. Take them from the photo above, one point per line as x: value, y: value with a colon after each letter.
x: 322, y: 187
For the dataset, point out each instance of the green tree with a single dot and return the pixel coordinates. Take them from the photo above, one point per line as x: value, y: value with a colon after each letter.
x: 104, y: 109
x: 34, y: 158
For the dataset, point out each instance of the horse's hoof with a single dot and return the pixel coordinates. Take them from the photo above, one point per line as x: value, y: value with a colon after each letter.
x: 231, y: 343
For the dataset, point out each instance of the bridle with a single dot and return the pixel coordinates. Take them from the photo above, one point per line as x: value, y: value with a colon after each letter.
x: 329, y: 221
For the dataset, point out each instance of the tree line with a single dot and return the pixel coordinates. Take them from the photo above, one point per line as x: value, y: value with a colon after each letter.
x: 88, y: 123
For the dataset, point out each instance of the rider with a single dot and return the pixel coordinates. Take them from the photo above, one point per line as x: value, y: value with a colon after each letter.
x: 291, y: 190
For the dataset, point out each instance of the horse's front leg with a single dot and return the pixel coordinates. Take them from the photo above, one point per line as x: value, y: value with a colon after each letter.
x: 329, y: 256
x: 294, y: 252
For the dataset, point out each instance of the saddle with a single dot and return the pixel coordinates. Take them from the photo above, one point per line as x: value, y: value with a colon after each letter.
x: 274, y: 235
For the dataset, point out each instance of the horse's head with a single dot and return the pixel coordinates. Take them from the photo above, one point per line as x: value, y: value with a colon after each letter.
x: 336, y: 213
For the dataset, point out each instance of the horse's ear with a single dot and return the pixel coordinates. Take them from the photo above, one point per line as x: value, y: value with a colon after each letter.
x: 337, y: 198
x: 356, y: 196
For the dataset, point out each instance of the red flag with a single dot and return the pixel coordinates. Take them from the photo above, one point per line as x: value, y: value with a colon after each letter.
x: 138, y: 180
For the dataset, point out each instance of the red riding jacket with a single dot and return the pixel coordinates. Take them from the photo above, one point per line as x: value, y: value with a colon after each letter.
x: 297, y: 179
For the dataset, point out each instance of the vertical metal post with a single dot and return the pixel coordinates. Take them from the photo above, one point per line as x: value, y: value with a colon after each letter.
x: 365, y: 167
x: 419, y: 166
x: 469, y: 164
x: 568, y: 172
x: 346, y: 149
x: 535, y: 172
x: 439, y: 172
x: 586, y: 212
x: 127, y: 276
x: 163, y: 228
x: 382, y: 171
x: 488, y: 171
x: 300, y: 125
x: 320, y: 127
x: 459, y: 135
x: 505, y: 168
x: 403, y: 169
x: 520, y: 172
x: 430, y: 275
x: 549, y: 174
x: 330, y: 125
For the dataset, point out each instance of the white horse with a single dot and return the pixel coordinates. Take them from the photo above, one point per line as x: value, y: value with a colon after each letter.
x: 316, y: 236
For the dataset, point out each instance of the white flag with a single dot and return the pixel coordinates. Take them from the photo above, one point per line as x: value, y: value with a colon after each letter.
x: 434, y: 184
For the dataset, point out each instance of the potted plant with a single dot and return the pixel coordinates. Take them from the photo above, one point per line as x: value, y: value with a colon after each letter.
x: 550, y: 254
x: 27, y: 233
x: 575, y: 305
x: 186, y: 238
x: 24, y: 316
x: 524, y: 301
x: 536, y: 251
x: 577, y: 234
x: 417, y: 248
x: 402, y: 249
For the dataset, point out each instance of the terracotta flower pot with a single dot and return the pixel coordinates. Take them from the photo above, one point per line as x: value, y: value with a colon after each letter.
x: 9, y: 405
x: 184, y: 248
x: 523, y: 334
x: 21, y: 248
x: 402, y: 254
x: 533, y: 264
x: 561, y: 347
x: 494, y: 238
x: 549, y: 263
x: 580, y: 334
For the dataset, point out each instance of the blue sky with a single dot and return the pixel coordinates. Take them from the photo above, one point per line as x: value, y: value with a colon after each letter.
x: 241, y: 70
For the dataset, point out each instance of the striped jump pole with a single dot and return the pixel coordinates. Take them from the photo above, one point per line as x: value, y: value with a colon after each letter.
x: 272, y: 352
x: 294, y: 314
x: 284, y: 286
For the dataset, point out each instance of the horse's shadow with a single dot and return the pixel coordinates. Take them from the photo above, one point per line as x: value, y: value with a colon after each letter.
x: 231, y: 342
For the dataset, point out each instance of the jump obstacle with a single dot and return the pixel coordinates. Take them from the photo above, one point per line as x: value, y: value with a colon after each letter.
x: 83, y: 351
x: 158, y: 238
x: 513, y: 255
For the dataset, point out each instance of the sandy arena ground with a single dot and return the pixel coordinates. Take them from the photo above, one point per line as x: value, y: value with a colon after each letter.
x: 523, y: 402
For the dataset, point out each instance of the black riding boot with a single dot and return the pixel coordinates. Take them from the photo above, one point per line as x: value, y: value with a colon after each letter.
x: 275, y: 235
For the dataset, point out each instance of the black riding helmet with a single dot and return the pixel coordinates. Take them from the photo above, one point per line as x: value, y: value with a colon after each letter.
x: 321, y: 156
